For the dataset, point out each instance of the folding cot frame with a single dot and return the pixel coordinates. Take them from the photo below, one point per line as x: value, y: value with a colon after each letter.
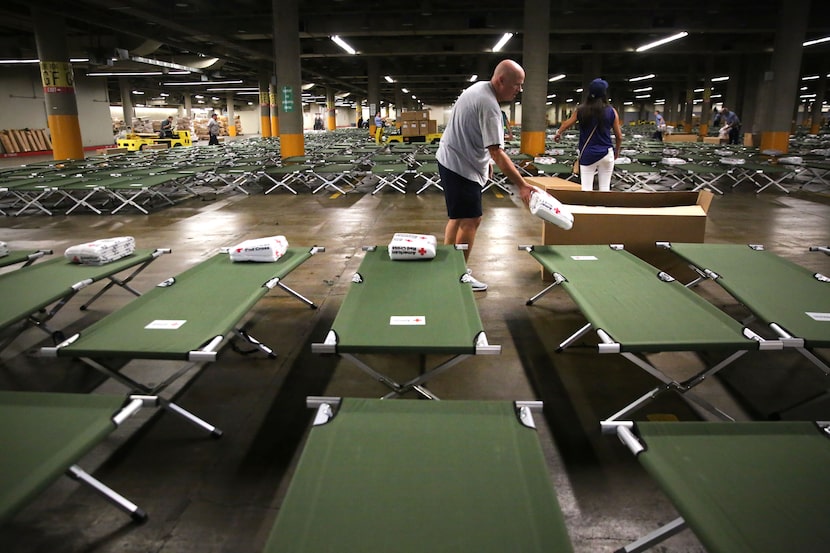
x: 45, y: 435
x: 18, y: 307
x: 331, y: 175
x: 731, y: 482
x: 763, y: 176
x: 174, y: 322
x: 428, y: 172
x: 637, y: 175
x: 456, y: 485
x: 707, y: 326
x: 789, y: 316
x: 284, y: 176
x: 696, y: 174
x: 26, y: 257
x: 414, y: 306
x: 392, y: 175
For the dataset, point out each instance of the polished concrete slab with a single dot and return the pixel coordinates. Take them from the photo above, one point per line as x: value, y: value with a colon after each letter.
x: 222, y: 495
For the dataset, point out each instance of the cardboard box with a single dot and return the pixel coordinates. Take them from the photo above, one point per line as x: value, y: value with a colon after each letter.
x: 410, y: 128
x: 552, y: 184
x: 635, y: 219
x: 427, y: 126
x: 711, y: 140
x: 680, y: 138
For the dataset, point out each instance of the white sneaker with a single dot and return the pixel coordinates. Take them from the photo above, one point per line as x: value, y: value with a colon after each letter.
x: 476, y: 285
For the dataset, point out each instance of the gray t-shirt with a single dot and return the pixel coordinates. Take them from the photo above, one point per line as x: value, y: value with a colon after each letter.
x: 475, y: 123
x: 213, y: 127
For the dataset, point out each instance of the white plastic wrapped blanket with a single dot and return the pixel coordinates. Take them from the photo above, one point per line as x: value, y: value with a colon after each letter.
x: 406, y: 246
x: 549, y: 209
x: 101, y: 252
x: 4, y: 249
x: 259, y: 250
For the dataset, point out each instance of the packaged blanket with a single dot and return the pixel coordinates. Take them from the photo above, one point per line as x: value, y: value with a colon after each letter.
x: 405, y: 246
x: 4, y: 249
x: 549, y: 209
x: 101, y: 252
x: 260, y: 250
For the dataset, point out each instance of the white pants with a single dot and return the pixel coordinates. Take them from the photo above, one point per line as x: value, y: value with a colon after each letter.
x: 602, y: 168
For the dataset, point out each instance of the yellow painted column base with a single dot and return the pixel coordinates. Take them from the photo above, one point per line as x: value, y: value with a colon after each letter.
x: 265, y: 126
x: 232, y: 130
x: 65, y: 133
x: 292, y: 145
x: 275, y: 126
x: 704, y: 129
x: 778, y: 141
x: 332, y: 123
x: 533, y: 143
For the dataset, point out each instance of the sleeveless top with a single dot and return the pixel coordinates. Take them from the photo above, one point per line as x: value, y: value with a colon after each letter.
x: 600, y: 142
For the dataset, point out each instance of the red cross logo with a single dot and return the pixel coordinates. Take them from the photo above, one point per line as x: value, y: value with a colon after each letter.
x: 422, y: 251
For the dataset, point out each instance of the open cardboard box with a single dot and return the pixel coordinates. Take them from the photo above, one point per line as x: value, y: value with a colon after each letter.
x: 635, y: 219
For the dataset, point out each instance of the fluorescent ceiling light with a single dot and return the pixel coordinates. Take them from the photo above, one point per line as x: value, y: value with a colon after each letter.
x: 342, y: 43
x: 644, y: 89
x: 716, y: 96
x: 807, y: 96
x: 138, y: 92
x: 642, y: 78
x: 126, y: 74
x: 816, y: 41
x: 389, y: 79
x: 811, y: 78
x: 697, y: 90
x: 502, y: 41
x: 167, y: 64
x: 35, y: 60
x: 662, y: 41
x: 555, y: 78
x: 719, y: 79
x: 628, y: 103
x: 551, y: 95
x: 197, y: 83
x: 405, y: 90
x: 233, y: 89
x: 473, y: 78
x: 641, y: 96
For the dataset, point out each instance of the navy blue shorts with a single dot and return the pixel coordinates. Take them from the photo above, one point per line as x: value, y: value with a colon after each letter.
x: 462, y: 195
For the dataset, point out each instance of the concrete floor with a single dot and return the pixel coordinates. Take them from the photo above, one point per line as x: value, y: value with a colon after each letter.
x: 222, y: 495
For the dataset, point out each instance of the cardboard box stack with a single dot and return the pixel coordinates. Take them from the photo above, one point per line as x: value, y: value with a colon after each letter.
x: 15, y: 141
x: 417, y: 123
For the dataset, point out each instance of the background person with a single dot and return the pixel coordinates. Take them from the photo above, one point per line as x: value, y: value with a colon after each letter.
x: 213, y: 130
x: 474, y: 135
x: 731, y: 120
x: 167, y: 128
x: 596, y: 120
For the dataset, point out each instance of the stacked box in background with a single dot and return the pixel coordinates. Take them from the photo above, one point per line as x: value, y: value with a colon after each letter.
x: 417, y: 123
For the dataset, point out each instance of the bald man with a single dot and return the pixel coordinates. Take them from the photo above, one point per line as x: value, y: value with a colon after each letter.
x: 473, y: 137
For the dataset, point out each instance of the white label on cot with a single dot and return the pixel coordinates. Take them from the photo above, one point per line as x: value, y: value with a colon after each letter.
x: 165, y: 324
x: 823, y: 317
x: 584, y: 257
x: 407, y: 320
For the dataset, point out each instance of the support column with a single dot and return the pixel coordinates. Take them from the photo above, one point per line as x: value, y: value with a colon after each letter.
x: 264, y: 108
x: 126, y: 102
x: 535, y: 59
x: 688, y: 110
x: 273, y: 108
x: 815, y: 124
x: 331, y: 120
x: 706, y: 107
x: 188, y: 105
x: 373, y: 88
x: 783, y: 78
x: 231, y: 117
x: 58, y: 85
x: 289, y: 87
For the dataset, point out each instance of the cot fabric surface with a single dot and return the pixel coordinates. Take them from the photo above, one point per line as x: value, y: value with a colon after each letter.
x: 208, y: 300
x: 775, y: 289
x: 429, y: 289
x: 27, y: 257
x: 43, y: 434
x: 411, y: 476
x: 415, y: 307
x: 744, y: 487
x: 33, y: 288
x: 624, y: 296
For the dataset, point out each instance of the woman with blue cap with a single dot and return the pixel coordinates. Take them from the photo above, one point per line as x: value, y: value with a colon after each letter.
x: 596, y: 121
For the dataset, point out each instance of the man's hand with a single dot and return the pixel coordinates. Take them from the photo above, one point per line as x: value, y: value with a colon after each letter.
x: 524, y: 193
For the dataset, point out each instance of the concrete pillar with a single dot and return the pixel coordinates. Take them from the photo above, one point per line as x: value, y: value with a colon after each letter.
x: 331, y: 119
x: 273, y: 107
x: 289, y: 88
x: 783, y: 77
x: 706, y: 107
x: 58, y: 85
x: 688, y: 109
x: 373, y: 88
x: 188, y: 105
x: 821, y: 92
x: 231, y: 117
x: 264, y: 107
x: 126, y: 101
